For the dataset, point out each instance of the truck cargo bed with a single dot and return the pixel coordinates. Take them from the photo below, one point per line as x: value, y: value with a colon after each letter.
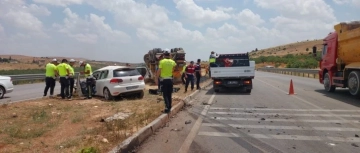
x: 348, y: 42
x: 233, y: 72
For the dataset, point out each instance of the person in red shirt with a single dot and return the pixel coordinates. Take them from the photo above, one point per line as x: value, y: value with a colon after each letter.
x: 190, y: 72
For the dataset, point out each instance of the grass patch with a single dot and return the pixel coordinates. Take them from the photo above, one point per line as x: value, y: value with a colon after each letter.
x: 55, y: 125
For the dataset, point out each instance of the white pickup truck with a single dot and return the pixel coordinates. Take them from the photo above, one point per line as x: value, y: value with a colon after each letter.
x: 233, y: 71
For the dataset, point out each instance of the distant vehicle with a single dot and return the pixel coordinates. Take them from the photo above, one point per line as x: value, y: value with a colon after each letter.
x: 6, y: 86
x: 233, y: 71
x: 113, y: 81
x: 340, y: 63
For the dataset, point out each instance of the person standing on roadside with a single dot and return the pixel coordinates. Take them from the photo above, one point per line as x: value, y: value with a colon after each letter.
x: 71, y: 78
x: 89, y: 78
x: 64, y: 72
x: 165, y: 72
x: 190, y: 70
x: 50, y: 80
x: 198, y: 73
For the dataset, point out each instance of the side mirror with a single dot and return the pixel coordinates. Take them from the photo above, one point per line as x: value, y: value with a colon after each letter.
x: 314, y: 51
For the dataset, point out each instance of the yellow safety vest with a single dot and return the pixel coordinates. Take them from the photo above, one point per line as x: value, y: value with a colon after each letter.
x: 184, y: 67
x: 212, y: 59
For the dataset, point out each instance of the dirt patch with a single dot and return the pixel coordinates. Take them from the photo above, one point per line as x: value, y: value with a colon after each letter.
x: 54, y: 125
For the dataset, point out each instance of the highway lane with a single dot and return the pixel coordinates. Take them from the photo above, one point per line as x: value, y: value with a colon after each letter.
x: 267, y: 120
x: 27, y: 92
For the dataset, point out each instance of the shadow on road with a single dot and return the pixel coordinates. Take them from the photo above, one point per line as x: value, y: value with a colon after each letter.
x: 341, y: 95
x: 228, y: 92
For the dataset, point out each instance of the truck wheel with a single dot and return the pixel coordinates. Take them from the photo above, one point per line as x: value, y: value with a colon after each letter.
x: 327, y: 83
x: 354, y: 83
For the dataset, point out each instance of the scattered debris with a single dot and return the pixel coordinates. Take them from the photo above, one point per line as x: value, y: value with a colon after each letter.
x: 263, y: 119
x: 248, y: 111
x: 118, y: 116
x: 175, y: 130
x: 338, y: 123
x: 331, y: 144
x: 105, y: 140
x: 204, y: 103
x: 14, y: 115
x: 356, y: 135
x: 188, y: 122
x: 260, y: 107
x: 355, y: 145
x: 102, y: 120
x: 277, y: 115
x: 248, y: 130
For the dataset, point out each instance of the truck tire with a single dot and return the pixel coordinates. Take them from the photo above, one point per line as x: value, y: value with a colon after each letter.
x: 354, y: 83
x: 248, y: 91
x: 327, y: 83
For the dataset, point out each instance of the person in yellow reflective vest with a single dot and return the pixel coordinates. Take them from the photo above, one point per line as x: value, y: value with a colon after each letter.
x: 90, y: 80
x: 50, y: 80
x: 183, y: 73
x: 212, y: 61
x: 64, y: 71
x: 165, y: 72
x: 71, y: 78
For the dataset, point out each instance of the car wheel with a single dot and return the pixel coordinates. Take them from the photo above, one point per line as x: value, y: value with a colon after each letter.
x: 2, y: 92
x: 107, y: 94
x: 140, y: 95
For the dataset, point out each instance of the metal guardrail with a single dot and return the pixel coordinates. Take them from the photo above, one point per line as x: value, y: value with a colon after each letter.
x: 30, y: 77
x: 292, y: 71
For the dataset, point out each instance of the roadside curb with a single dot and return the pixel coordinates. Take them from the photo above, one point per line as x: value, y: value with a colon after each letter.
x: 139, y: 137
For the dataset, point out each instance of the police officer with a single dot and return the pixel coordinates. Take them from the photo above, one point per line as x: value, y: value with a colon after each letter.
x: 198, y: 73
x: 190, y: 72
x: 212, y: 60
x: 89, y: 78
x: 71, y: 78
x: 165, y: 72
x: 50, y: 80
x: 183, y: 73
x: 64, y: 71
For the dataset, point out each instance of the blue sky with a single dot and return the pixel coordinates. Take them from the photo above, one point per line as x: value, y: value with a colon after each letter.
x: 124, y: 30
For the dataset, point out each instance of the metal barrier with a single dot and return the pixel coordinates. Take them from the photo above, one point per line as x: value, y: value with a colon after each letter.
x: 310, y: 73
x: 30, y: 77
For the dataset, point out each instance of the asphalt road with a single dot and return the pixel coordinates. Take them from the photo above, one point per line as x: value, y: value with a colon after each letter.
x: 267, y: 120
x: 27, y: 92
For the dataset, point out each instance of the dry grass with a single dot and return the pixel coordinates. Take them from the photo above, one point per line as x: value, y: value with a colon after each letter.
x: 54, y: 125
x: 304, y: 47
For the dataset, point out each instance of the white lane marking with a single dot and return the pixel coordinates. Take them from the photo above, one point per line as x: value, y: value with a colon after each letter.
x: 281, y: 137
x: 339, y: 129
x: 285, y: 120
x: 190, y: 138
x: 297, y: 110
x: 281, y: 114
x: 307, y: 102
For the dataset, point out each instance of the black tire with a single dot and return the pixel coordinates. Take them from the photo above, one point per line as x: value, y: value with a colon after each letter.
x: 107, y: 94
x: 2, y: 92
x: 354, y: 83
x: 217, y: 90
x: 140, y: 95
x: 327, y: 83
x: 248, y: 91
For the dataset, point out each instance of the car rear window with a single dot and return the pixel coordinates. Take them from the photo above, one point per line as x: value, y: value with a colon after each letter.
x: 125, y: 72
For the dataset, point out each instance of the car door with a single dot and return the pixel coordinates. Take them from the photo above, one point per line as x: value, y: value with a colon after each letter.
x: 96, y: 74
x: 101, y: 81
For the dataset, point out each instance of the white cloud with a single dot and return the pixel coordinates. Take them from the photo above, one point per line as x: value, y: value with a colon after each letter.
x: 19, y: 14
x: 90, y: 29
x: 351, y: 2
x: 225, y: 9
x: 198, y: 15
x: 248, y: 18
x: 38, y: 10
x: 59, y: 2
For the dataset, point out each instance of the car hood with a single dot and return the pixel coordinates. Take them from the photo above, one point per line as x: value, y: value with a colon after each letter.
x: 4, y: 77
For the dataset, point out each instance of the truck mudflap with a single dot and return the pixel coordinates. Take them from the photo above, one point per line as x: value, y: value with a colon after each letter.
x: 232, y: 83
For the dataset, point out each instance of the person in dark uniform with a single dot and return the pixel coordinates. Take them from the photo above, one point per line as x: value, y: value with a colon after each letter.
x: 198, y: 73
x: 165, y: 72
x: 190, y: 72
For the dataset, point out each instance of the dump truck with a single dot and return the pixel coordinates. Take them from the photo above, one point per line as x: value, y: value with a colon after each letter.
x: 340, y: 61
x: 153, y: 57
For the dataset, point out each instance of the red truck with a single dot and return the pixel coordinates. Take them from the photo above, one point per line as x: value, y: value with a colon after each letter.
x: 340, y: 62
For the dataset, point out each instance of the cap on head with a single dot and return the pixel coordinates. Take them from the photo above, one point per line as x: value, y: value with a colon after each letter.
x: 81, y: 62
x: 166, y: 50
x: 166, y: 53
x: 212, y: 52
x: 64, y: 60
x: 72, y: 60
x: 54, y: 60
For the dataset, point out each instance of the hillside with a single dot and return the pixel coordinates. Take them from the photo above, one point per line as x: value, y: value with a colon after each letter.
x: 298, y: 48
x: 293, y: 55
x: 22, y: 62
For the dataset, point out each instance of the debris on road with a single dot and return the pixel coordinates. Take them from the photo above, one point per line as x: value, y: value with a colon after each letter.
x: 355, y: 145
x: 188, y: 122
x: 263, y: 119
x: 118, y: 116
x: 356, y: 135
